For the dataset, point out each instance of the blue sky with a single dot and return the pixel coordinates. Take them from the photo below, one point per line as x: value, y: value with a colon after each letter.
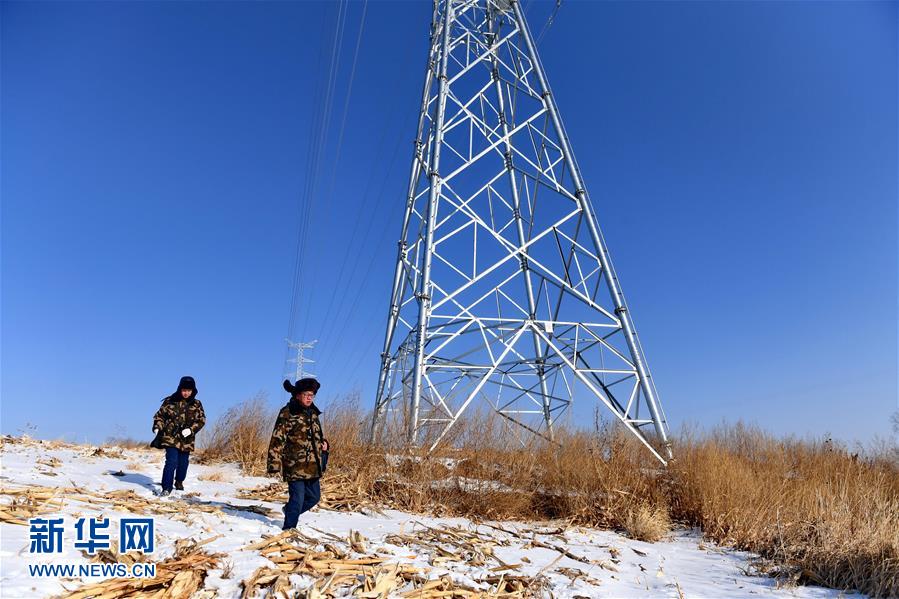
x: 157, y: 156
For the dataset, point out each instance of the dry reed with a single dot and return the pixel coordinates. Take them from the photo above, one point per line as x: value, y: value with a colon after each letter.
x: 241, y: 435
x: 815, y: 512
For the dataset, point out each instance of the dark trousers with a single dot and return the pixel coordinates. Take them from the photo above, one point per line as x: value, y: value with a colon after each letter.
x: 175, y: 467
x: 301, y: 496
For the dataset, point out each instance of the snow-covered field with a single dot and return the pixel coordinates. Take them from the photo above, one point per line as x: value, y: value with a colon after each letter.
x: 547, y: 558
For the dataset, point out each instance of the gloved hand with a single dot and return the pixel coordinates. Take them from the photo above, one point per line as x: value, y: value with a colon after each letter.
x: 186, y: 432
x: 155, y: 431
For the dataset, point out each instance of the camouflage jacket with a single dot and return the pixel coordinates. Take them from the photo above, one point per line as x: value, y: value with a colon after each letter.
x: 175, y: 415
x: 295, y: 448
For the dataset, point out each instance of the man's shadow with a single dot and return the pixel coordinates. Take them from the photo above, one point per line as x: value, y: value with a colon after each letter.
x: 137, y: 479
x: 250, y: 512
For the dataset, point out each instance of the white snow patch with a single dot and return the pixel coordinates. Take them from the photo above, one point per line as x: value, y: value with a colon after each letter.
x: 615, y: 566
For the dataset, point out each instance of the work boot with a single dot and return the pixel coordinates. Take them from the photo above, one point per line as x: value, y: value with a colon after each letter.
x: 179, y: 484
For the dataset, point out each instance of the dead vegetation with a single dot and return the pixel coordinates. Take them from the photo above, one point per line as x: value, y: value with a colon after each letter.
x: 33, y: 501
x: 344, y: 567
x: 814, y: 511
x: 241, y: 435
x: 104, y: 452
x: 178, y: 577
x: 343, y: 493
x: 647, y: 523
x: 114, y: 556
x: 30, y: 502
x: 127, y: 443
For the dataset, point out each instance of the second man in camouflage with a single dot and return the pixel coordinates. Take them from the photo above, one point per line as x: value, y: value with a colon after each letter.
x: 298, y: 450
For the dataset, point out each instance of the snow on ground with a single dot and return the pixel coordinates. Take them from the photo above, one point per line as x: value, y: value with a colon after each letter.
x: 606, y: 565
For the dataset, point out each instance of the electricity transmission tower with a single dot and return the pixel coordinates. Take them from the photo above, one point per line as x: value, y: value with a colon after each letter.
x: 300, y: 360
x: 504, y: 291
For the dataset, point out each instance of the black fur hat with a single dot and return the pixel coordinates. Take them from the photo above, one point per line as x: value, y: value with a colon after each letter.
x: 187, y: 382
x: 302, y: 385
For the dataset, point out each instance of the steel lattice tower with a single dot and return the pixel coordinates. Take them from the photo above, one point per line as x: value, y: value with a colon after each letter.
x: 504, y: 291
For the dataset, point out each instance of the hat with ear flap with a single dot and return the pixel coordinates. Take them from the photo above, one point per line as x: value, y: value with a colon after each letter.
x: 187, y: 382
x: 301, y: 385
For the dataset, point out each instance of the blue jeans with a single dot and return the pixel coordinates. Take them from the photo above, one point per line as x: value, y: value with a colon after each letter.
x: 175, y: 467
x: 301, y: 496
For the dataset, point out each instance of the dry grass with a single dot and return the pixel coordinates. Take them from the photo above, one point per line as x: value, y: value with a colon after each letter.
x: 126, y: 443
x: 819, y: 513
x: 647, y: 522
x: 241, y: 435
x: 815, y: 512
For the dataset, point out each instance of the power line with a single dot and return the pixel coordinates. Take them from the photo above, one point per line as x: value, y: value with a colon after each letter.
x: 343, y: 322
x: 304, y: 205
x: 361, y: 213
x: 549, y: 21
x: 326, y: 120
x: 318, y: 128
x: 346, y: 105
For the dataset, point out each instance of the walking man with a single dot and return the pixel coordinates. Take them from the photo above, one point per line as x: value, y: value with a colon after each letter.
x: 298, y: 450
x: 176, y: 424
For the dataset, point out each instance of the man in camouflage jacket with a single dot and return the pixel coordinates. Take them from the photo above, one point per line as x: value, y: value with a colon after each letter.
x: 298, y: 450
x: 176, y: 424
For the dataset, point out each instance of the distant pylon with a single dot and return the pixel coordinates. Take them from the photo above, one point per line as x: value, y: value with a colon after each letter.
x: 504, y: 290
x: 300, y: 360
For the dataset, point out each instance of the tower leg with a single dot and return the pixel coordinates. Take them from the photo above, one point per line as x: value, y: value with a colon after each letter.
x: 602, y: 251
x: 383, y: 398
x: 424, y: 293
